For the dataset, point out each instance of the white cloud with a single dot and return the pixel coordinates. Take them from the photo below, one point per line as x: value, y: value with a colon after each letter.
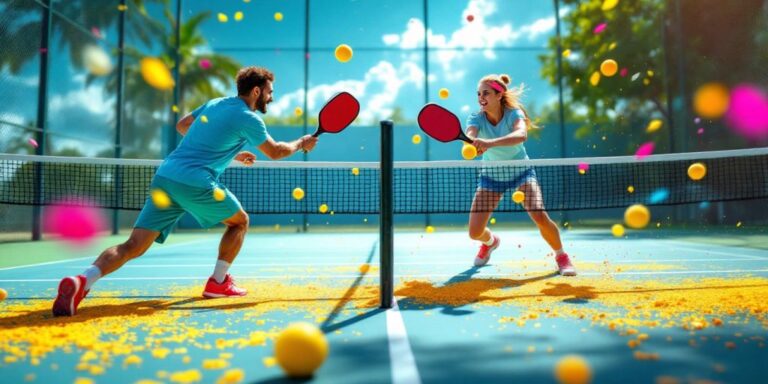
x: 91, y: 99
x: 381, y: 84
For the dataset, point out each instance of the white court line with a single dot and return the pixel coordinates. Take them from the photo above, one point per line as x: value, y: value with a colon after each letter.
x: 85, y: 257
x: 501, y: 263
x: 696, y: 248
x: 705, y: 251
x: 404, y: 370
x: 421, y: 276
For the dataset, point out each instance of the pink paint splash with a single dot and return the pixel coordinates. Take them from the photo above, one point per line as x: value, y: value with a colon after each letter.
x: 96, y: 32
x: 33, y: 143
x: 645, y: 150
x: 74, y: 223
x: 624, y: 72
x: 700, y: 131
x: 583, y: 167
x: 600, y: 28
x: 748, y: 112
x: 205, y: 64
x: 307, y: 56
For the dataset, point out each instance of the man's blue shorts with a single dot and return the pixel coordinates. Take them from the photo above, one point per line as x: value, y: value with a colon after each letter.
x: 199, y: 202
x: 500, y: 186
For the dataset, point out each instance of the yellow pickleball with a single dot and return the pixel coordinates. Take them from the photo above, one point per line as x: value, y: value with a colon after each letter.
x: 697, y: 171
x: 219, y: 194
x: 630, y: 189
x: 493, y: 220
x: 609, y: 67
x: 637, y: 216
x: 298, y: 193
x: 160, y: 198
x: 617, y: 230
x: 323, y: 208
x: 343, y: 53
x: 443, y: 93
x: 156, y: 73
x: 573, y: 369
x: 3, y: 294
x: 468, y: 152
x: 518, y: 197
x: 429, y: 229
x: 278, y: 16
x: 355, y: 171
x: 300, y: 349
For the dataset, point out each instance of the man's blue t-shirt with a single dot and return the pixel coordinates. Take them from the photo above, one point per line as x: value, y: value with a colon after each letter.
x: 486, y: 130
x: 221, y: 129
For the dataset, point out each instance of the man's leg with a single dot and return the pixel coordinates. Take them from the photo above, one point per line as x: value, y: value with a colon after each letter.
x: 72, y: 289
x: 220, y: 284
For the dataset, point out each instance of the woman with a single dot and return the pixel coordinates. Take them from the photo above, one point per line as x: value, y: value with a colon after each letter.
x: 498, y: 132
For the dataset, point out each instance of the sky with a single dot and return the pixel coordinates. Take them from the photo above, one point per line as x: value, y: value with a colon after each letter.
x: 386, y: 72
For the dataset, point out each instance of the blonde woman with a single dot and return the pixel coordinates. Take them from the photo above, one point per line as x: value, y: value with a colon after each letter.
x: 498, y: 132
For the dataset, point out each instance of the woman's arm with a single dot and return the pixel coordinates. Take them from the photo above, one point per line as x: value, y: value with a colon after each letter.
x: 518, y: 135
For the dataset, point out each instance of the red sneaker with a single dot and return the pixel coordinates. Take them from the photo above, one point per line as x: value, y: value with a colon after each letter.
x: 71, y: 293
x: 227, y: 288
x: 564, y: 266
x: 484, y: 254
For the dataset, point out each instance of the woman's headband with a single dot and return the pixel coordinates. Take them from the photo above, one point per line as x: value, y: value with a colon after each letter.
x: 495, y: 85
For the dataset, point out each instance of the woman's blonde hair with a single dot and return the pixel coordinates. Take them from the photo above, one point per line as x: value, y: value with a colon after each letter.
x: 510, y: 97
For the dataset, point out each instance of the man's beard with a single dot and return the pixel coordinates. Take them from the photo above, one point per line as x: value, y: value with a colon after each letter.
x: 261, y: 105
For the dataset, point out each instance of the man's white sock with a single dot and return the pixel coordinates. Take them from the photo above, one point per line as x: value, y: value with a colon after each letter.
x: 92, y: 274
x: 559, y: 252
x: 220, y: 271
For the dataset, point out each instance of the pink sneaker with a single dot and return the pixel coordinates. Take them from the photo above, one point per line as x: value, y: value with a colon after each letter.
x: 227, y: 288
x: 484, y: 254
x: 564, y: 265
x: 71, y: 293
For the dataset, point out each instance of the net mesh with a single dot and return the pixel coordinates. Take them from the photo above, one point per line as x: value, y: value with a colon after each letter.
x: 419, y: 187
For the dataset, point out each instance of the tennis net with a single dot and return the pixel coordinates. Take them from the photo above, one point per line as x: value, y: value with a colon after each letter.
x: 419, y: 187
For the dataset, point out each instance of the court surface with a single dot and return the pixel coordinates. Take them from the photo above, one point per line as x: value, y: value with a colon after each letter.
x: 652, y: 307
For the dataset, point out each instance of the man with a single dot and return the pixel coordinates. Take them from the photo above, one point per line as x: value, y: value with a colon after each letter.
x: 214, y: 135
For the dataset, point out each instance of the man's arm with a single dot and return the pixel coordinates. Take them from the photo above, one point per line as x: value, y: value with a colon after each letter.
x: 279, y: 149
x: 183, y: 125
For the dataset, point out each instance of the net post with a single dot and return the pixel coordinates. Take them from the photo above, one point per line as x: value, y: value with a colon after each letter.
x: 42, y: 120
x: 386, y: 213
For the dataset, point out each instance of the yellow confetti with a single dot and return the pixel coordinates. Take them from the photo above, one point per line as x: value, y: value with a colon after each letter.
x: 231, y: 376
x: 654, y: 126
x: 595, y: 79
x: 122, y: 7
x: 156, y: 73
x: 204, y: 119
x: 416, y: 139
x: 566, y: 53
x: 219, y: 194
x: 609, y: 4
x: 355, y: 171
x: 215, y: 363
x: 323, y: 208
x: 364, y: 268
x: 630, y: 189
x: 222, y: 17
x: 238, y: 16
x: 269, y: 361
x: 278, y: 16
x: 186, y: 377
x: 160, y: 198
x: 131, y: 360
x: 430, y: 229
x: 298, y: 111
x: 493, y: 220
x: 443, y: 93
x: 175, y: 109
x: 738, y: 224
x: 612, y: 46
